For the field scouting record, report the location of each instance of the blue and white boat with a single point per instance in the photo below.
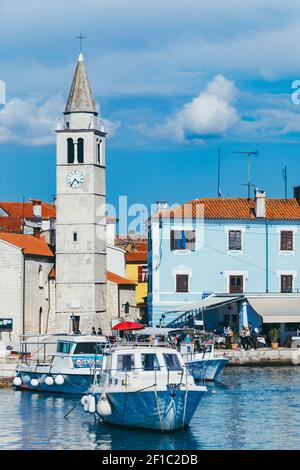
(203, 365)
(68, 370)
(144, 387)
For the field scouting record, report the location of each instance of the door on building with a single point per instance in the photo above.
(236, 284)
(75, 320)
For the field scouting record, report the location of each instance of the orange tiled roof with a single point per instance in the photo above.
(29, 244)
(118, 279)
(235, 208)
(136, 256)
(20, 209)
(11, 224)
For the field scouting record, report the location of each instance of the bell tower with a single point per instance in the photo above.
(80, 222)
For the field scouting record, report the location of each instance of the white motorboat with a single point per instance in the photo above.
(144, 386)
(70, 369)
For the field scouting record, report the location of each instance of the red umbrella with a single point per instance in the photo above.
(128, 325)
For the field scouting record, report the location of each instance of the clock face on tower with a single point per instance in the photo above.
(75, 179)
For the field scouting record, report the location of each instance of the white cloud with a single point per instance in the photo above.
(223, 111)
(33, 121)
(211, 113)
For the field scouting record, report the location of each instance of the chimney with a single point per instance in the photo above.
(37, 208)
(161, 206)
(297, 193)
(260, 204)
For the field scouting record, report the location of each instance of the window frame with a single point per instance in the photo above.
(285, 276)
(234, 248)
(181, 275)
(242, 285)
(182, 242)
(284, 243)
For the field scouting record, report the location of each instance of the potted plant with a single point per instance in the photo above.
(274, 335)
(234, 341)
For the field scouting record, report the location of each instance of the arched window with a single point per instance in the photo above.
(70, 150)
(98, 151)
(80, 151)
(41, 277)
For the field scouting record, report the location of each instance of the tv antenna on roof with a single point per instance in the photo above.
(249, 155)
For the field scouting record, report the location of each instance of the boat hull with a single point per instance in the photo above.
(73, 383)
(206, 369)
(165, 411)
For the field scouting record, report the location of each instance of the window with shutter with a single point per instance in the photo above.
(286, 240)
(182, 282)
(286, 283)
(234, 240)
(183, 239)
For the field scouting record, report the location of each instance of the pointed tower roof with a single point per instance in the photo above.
(80, 96)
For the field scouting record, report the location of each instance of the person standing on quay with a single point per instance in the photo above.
(253, 336)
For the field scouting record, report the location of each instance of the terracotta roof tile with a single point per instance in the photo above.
(112, 277)
(137, 256)
(234, 208)
(20, 209)
(29, 244)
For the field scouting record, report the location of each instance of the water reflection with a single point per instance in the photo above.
(250, 408)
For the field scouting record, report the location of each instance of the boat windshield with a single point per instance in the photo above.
(172, 362)
(89, 348)
(125, 362)
(64, 347)
(150, 362)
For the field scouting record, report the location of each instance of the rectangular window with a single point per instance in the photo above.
(125, 362)
(236, 284)
(234, 240)
(143, 273)
(286, 283)
(89, 348)
(75, 238)
(150, 362)
(286, 240)
(183, 240)
(64, 347)
(182, 282)
(172, 362)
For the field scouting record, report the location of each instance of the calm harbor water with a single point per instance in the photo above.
(253, 408)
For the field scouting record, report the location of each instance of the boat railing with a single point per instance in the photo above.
(105, 377)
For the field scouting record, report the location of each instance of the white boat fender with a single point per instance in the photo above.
(17, 381)
(92, 404)
(213, 392)
(103, 406)
(34, 382)
(49, 380)
(83, 399)
(86, 403)
(59, 379)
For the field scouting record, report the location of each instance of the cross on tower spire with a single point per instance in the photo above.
(81, 38)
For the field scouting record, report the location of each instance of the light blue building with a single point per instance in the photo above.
(244, 251)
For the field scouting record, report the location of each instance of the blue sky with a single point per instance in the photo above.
(173, 83)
